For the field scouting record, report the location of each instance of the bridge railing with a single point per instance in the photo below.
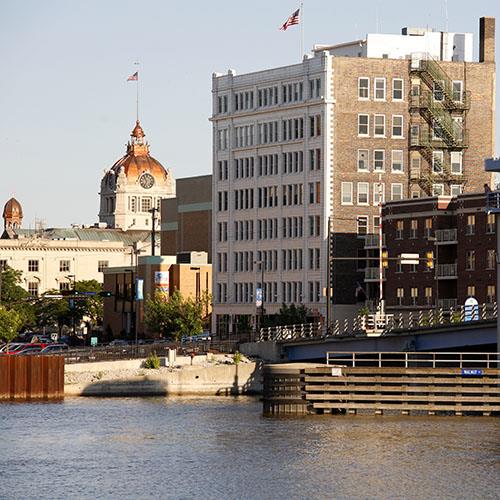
(390, 323)
(291, 332)
(464, 360)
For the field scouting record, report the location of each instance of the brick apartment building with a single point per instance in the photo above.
(298, 146)
(456, 234)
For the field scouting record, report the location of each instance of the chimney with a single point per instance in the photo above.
(487, 39)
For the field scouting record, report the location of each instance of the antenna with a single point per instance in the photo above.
(446, 15)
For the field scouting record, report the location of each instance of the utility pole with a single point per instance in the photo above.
(153, 231)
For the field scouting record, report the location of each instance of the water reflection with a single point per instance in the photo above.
(223, 448)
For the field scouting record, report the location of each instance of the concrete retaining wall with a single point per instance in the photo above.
(128, 379)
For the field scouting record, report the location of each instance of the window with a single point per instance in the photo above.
(471, 291)
(363, 125)
(415, 167)
(397, 161)
(363, 160)
(438, 90)
(428, 295)
(378, 193)
(101, 265)
(292, 92)
(363, 193)
(437, 189)
(400, 295)
(396, 192)
(490, 224)
(456, 162)
(490, 259)
(379, 89)
(33, 288)
(399, 229)
(470, 228)
(64, 266)
(491, 294)
(378, 160)
(414, 295)
(222, 104)
(437, 162)
(33, 266)
(362, 224)
(397, 126)
(315, 88)
(413, 228)
(455, 189)
(457, 86)
(315, 126)
(397, 89)
(470, 260)
(3, 264)
(64, 286)
(223, 139)
(314, 159)
(346, 193)
(133, 203)
(363, 88)
(379, 126)
(145, 204)
(428, 227)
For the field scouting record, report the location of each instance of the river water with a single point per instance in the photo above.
(223, 448)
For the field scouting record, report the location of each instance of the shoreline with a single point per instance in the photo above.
(205, 377)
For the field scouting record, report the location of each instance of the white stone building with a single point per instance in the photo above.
(289, 143)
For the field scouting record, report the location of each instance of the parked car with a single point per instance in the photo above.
(54, 348)
(118, 342)
(202, 337)
(31, 349)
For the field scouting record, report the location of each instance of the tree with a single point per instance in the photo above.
(173, 316)
(14, 297)
(10, 324)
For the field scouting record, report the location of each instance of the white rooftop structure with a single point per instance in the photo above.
(440, 45)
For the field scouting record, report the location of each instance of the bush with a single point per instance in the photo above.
(152, 362)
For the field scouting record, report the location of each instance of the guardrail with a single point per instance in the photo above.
(412, 359)
(112, 353)
(389, 323)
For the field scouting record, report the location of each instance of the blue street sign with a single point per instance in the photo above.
(87, 293)
(472, 372)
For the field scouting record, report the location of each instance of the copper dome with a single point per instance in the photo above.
(12, 209)
(137, 160)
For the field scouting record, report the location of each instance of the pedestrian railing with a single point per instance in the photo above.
(383, 324)
(466, 360)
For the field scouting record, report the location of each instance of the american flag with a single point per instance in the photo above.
(293, 19)
(134, 77)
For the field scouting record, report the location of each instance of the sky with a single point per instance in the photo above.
(67, 110)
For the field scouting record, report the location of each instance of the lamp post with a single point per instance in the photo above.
(261, 264)
(153, 230)
(433, 239)
(73, 277)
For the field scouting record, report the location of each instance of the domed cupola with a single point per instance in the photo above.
(133, 185)
(12, 214)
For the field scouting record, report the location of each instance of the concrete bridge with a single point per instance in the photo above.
(309, 342)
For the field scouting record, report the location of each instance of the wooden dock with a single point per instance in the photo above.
(31, 377)
(414, 387)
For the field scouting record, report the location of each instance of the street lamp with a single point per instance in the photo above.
(261, 263)
(73, 277)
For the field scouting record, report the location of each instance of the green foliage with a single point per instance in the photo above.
(292, 315)
(10, 323)
(174, 316)
(152, 361)
(237, 357)
(14, 297)
(364, 311)
(92, 306)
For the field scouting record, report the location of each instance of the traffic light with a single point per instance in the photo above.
(429, 260)
(105, 294)
(385, 258)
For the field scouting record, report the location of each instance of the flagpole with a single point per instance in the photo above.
(301, 30)
(137, 91)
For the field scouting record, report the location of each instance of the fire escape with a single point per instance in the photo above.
(438, 108)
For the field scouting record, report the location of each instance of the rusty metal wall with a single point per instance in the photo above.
(31, 377)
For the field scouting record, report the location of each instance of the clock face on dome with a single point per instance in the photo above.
(147, 181)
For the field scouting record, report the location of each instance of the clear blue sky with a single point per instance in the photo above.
(67, 111)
